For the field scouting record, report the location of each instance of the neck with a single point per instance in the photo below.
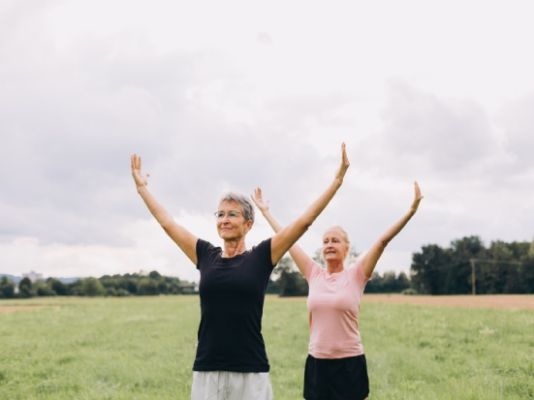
(234, 247)
(334, 266)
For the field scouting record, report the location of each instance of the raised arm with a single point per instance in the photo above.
(286, 237)
(372, 256)
(302, 260)
(181, 236)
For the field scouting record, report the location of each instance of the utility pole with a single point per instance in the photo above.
(473, 277)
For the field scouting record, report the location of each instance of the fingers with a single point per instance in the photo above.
(258, 200)
(417, 190)
(344, 163)
(259, 193)
(135, 161)
(417, 197)
(344, 157)
(254, 196)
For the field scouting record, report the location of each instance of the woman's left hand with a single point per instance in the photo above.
(417, 198)
(344, 164)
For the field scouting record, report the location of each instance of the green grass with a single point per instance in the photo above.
(143, 348)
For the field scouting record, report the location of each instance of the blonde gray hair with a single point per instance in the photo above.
(244, 203)
(344, 233)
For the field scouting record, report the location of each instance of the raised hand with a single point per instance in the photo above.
(257, 198)
(344, 163)
(417, 198)
(140, 179)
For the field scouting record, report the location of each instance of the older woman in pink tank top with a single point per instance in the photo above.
(336, 368)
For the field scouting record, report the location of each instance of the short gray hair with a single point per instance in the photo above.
(244, 202)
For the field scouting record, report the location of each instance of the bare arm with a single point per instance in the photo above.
(181, 236)
(372, 256)
(286, 237)
(299, 256)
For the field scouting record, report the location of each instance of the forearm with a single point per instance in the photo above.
(156, 209)
(396, 228)
(181, 236)
(287, 236)
(271, 220)
(313, 211)
(375, 252)
(299, 256)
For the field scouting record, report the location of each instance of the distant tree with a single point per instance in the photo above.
(91, 287)
(403, 282)
(504, 267)
(162, 287)
(154, 275)
(290, 280)
(57, 286)
(147, 286)
(40, 288)
(25, 288)
(458, 274)
(174, 287)
(492, 270)
(273, 287)
(389, 282)
(129, 283)
(527, 274)
(7, 288)
(429, 268)
(318, 257)
(352, 256)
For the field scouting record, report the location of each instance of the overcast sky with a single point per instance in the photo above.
(230, 95)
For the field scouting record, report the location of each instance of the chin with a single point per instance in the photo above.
(227, 236)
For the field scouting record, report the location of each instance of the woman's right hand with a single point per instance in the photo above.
(417, 198)
(257, 198)
(140, 179)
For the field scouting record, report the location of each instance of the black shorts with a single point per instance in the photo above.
(336, 379)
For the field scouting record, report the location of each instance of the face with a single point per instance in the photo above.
(231, 223)
(335, 246)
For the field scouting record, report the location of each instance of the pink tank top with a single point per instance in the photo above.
(333, 306)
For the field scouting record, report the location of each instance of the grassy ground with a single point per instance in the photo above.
(143, 348)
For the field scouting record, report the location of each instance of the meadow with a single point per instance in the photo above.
(143, 348)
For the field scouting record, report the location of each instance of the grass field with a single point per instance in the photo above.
(143, 348)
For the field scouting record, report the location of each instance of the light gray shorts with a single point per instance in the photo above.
(225, 385)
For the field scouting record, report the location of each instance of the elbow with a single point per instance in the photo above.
(296, 230)
(306, 225)
(165, 223)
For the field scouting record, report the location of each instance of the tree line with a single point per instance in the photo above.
(286, 281)
(467, 265)
(464, 267)
(108, 285)
(500, 268)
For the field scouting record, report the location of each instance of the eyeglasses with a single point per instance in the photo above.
(230, 214)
